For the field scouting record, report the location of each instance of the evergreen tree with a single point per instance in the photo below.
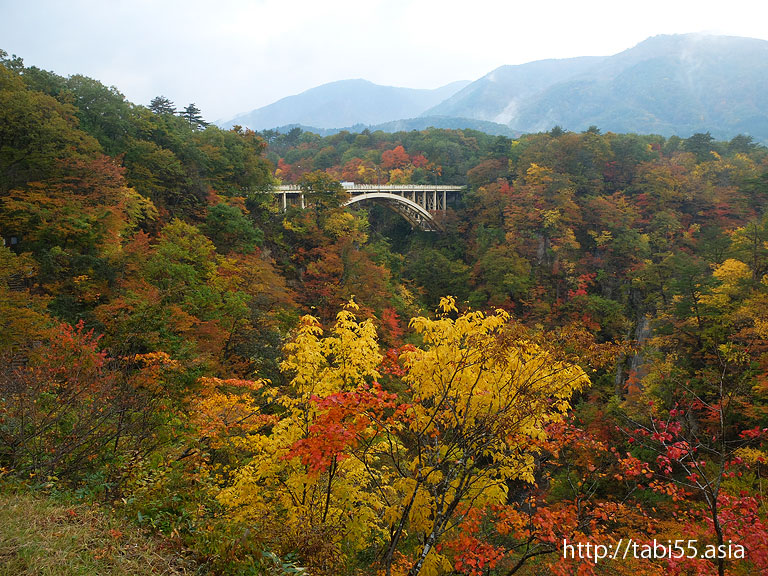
(192, 114)
(162, 105)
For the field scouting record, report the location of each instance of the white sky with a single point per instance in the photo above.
(231, 56)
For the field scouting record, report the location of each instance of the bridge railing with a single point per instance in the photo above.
(406, 198)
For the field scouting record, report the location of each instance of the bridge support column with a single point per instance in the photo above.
(285, 201)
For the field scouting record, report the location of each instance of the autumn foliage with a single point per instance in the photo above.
(291, 391)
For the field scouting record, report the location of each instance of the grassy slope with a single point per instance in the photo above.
(43, 538)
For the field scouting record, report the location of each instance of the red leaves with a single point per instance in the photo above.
(318, 451)
(744, 528)
(753, 433)
(391, 325)
(471, 555)
(583, 282)
(343, 419)
(72, 355)
(632, 467)
(396, 158)
(392, 363)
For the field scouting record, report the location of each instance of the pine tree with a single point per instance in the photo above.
(192, 114)
(162, 105)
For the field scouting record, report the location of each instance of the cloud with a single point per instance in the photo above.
(231, 56)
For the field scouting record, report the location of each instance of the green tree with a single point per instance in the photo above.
(158, 173)
(36, 132)
(162, 105)
(437, 274)
(322, 191)
(103, 112)
(232, 161)
(505, 275)
(700, 144)
(192, 115)
(230, 230)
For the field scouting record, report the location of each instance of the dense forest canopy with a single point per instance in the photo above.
(586, 358)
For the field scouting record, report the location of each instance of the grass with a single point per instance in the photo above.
(42, 537)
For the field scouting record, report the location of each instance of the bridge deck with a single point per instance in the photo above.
(362, 188)
(418, 203)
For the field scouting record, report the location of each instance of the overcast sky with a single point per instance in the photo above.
(231, 56)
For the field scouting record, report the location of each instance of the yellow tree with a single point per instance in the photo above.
(346, 469)
(306, 494)
(482, 395)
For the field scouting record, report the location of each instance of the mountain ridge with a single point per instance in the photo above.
(409, 124)
(666, 84)
(345, 103)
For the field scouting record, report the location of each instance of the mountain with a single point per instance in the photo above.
(446, 122)
(495, 96)
(667, 85)
(345, 103)
(679, 84)
(409, 124)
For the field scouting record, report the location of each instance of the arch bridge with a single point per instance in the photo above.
(421, 205)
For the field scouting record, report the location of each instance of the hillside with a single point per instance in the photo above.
(345, 103)
(41, 536)
(408, 124)
(667, 85)
(496, 96)
(579, 354)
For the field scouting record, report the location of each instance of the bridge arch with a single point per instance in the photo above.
(419, 204)
(408, 209)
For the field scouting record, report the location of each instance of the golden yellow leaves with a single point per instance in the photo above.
(479, 397)
(338, 502)
(538, 174)
(225, 411)
(344, 359)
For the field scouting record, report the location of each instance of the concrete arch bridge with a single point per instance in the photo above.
(421, 205)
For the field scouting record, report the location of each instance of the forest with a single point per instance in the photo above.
(579, 358)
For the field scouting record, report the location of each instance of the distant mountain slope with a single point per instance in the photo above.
(345, 103)
(409, 124)
(445, 122)
(667, 84)
(494, 96)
